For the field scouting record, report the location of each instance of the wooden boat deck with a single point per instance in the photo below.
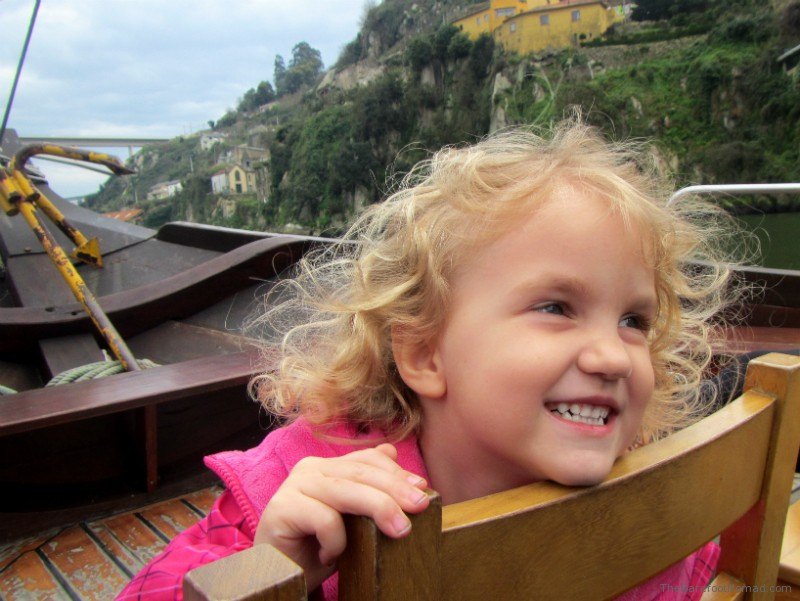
(94, 560)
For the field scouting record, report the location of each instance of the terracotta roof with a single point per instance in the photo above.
(125, 214)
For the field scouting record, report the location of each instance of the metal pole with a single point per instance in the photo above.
(19, 70)
(734, 189)
(79, 288)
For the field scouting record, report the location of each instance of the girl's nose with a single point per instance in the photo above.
(605, 355)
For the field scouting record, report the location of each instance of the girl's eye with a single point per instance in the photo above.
(636, 322)
(551, 308)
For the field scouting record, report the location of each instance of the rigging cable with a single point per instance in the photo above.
(19, 70)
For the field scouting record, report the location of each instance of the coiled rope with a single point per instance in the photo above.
(90, 371)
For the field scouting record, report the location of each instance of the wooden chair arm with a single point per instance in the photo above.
(373, 567)
(261, 573)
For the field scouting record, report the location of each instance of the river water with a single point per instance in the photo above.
(780, 238)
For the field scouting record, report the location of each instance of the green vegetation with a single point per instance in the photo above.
(304, 68)
(719, 105)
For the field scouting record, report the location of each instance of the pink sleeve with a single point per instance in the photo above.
(705, 563)
(221, 533)
(684, 581)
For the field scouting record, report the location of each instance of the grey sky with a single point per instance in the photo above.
(150, 68)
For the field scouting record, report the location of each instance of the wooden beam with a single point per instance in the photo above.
(45, 407)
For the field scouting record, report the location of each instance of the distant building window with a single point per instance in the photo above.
(478, 20)
(513, 27)
(505, 12)
(237, 176)
(486, 17)
(576, 15)
(544, 20)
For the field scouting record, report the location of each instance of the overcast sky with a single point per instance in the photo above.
(150, 68)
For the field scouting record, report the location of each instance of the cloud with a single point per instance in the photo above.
(154, 68)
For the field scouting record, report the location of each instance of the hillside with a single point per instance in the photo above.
(706, 85)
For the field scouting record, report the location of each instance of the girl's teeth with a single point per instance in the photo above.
(589, 414)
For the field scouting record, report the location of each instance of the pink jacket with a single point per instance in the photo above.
(253, 476)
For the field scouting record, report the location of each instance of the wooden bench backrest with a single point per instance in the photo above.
(731, 473)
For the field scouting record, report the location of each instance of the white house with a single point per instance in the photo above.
(211, 139)
(164, 190)
(220, 182)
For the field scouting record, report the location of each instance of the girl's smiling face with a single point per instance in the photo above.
(542, 369)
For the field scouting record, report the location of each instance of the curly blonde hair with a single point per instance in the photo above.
(393, 267)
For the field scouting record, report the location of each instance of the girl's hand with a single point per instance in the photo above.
(303, 519)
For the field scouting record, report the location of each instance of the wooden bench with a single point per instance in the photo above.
(729, 474)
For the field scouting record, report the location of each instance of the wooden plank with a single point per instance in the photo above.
(66, 352)
(37, 282)
(615, 520)
(744, 339)
(170, 518)
(261, 573)
(203, 499)
(35, 409)
(781, 287)
(141, 308)
(144, 264)
(772, 316)
(28, 578)
(211, 237)
(96, 559)
(174, 341)
(18, 376)
(134, 535)
(789, 570)
(16, 523)
(87, 569)
(233, 310)
(376, 567)
(9, 552)
(114, 547)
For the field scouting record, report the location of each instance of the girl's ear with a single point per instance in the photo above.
(419, 365)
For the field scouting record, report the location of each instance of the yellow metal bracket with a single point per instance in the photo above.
(19, 195)
(16, 187)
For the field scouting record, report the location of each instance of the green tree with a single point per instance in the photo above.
(656, 10)
(258, 96)
(651, 10)
(304, 68)
(419, 53)
(279, 75)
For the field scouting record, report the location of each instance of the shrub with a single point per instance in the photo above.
(419, 53)
(748, 29)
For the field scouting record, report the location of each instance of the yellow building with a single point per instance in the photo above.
(487, 16)
(234, 180)
(539, 24)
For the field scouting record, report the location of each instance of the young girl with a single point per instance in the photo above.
(522, 309)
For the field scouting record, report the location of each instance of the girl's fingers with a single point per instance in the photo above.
(291, 524)
(384, 504)
(405, 488)
(300, 516)
(309, 504)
